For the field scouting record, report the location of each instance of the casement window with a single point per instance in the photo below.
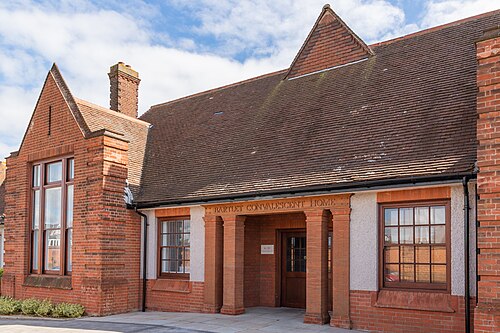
(415, 246)
(174, 248)
(52, 217)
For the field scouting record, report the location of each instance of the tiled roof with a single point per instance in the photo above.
(133, 130)
(408, 111)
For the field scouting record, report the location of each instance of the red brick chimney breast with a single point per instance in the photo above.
(124, 89)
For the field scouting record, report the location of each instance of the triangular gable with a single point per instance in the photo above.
(70, 100)
(55, 74)
(330, 44)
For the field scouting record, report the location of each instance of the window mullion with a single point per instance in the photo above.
(41, 233)
(62, 244)
(414, 247)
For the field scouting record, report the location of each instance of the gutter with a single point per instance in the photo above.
(313, 190)
(144, 257)
(465, 182)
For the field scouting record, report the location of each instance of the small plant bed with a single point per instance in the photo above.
(39, 308)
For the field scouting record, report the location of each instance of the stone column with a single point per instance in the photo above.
(213, 264)
(234, 245)
(340, 262)
(317, 266)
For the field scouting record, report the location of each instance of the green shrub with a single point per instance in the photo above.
(68, 310)
(9, 306)
(30, 306)
(1, 272)
(45, 308)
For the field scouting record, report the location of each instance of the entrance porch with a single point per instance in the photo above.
(276, 253)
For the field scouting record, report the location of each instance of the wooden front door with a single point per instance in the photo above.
(293, 270)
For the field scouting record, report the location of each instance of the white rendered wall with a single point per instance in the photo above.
(457, 240)
(197, 244)
(151, 247)
(364, 246)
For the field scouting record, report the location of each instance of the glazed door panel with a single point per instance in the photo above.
(293, 270)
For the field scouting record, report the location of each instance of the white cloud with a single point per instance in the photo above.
(278, 28)
(84, 44)
(443, 11)
(85, 40)
(16, 104)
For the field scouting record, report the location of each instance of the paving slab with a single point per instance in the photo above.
(255, 320)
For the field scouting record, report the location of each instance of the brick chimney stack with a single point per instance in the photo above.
(124, 89)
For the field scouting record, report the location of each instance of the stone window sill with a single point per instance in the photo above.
(47, 281)
(416, 300)
(177, 286)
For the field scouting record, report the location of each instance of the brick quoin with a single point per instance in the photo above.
(487, 312)
(106, 241)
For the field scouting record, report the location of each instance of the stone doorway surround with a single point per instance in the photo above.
(224, 254)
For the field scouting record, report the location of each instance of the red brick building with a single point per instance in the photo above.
(2, 210)
(360, 184)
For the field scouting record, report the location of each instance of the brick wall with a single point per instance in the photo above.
(488, 126)
(106, 241)
(366, 316)
(330, 44)
(174, 296)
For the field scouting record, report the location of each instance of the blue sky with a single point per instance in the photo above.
(178, 47)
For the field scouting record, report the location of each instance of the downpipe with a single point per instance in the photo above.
(465, 183)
